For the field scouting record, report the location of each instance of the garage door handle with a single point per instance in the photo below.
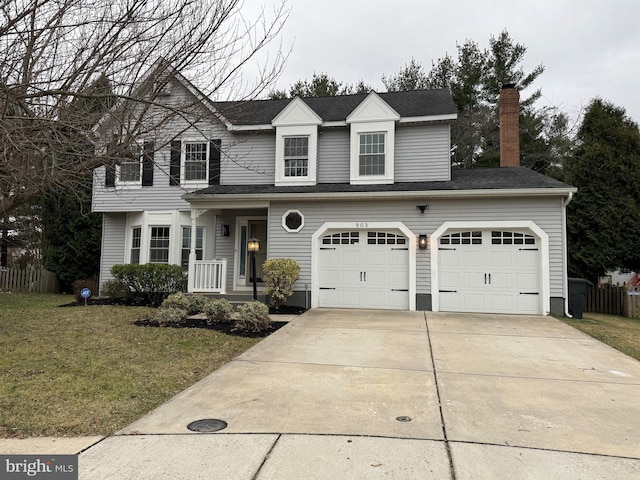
(485, 278)
(489, 279)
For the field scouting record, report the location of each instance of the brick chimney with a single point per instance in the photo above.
(509, 126)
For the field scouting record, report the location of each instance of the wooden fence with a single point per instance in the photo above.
(613, 300)
(31, 280)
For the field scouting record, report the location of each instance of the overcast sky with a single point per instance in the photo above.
(588, 47)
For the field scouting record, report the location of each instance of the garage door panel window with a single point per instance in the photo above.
(384, 238)
(342, 238)
(511, 238)
(462, 238)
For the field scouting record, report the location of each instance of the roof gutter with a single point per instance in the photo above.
(566, 202)
(488, 193)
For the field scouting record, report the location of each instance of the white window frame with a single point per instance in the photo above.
(387, 128)
(132, 183)
(304, 158)
(168, 248)
(184, 228)
(309, 131)
(199, 183)
(284, 221)
(132, 247)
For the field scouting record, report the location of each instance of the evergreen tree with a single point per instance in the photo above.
(71, 234)
(321, 85)
(603, 220)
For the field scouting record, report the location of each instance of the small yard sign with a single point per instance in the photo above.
(85, 293)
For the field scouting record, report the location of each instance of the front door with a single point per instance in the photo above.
(250, 228)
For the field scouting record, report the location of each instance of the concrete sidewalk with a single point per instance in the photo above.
(329, 396)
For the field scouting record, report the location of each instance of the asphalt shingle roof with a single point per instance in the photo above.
(417, 103)
(461, 180)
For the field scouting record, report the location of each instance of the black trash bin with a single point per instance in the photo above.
(578, 288)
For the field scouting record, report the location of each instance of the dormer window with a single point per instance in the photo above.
(372, 156)
(296, 144)
(296, 156)
(373, 128)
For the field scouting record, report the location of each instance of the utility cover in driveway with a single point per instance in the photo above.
(364, 269)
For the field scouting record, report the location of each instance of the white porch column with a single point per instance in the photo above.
(192, 251)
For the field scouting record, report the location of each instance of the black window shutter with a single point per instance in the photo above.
(214, 162)
(110, 176)
(174, 165)
(147, 164)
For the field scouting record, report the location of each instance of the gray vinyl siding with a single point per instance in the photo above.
(113, 244)
(545, 212)
(334, 156)
(249, 160)
(422, 153)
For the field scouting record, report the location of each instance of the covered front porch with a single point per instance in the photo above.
(224, 267)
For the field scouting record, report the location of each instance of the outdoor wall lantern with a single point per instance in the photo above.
(422, 208)
(253, 245)
(226, 230)
(422, 242)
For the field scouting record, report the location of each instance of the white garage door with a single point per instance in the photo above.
(490, 271)
(364, 269)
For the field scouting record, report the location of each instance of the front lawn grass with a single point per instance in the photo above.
(73, 371)
(620, 333)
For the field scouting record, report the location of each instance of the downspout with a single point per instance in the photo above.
(566, 202)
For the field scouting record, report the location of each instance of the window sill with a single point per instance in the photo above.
(297, 182)
(128, 186)
(200, 184)
(372, 181)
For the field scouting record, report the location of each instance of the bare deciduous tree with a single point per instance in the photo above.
(63, 63)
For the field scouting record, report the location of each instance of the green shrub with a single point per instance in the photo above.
(151, 283)
(196, 304)
(280, 275)
(218, 310)
(170, 316)
(115, 289)
(253, 317)
(193, 304)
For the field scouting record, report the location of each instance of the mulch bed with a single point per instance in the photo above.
(223, 327)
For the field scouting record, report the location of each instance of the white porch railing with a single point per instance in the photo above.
(209, 276)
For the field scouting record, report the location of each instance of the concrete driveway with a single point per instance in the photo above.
(345, 394)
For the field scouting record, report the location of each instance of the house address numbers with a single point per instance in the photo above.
(362, 225)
